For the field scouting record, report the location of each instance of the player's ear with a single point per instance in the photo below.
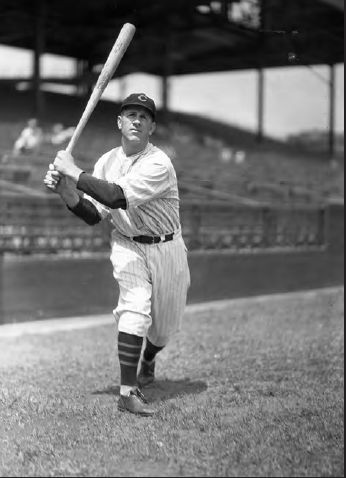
(153, 128)
(120, 122)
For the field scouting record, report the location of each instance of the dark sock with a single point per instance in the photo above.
(150, 351)
(129, 351)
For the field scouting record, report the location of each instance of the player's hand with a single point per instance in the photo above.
(57, 182)
(52, 179)
(64, 164)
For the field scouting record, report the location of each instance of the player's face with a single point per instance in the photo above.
(136, 124)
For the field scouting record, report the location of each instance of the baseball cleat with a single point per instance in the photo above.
(146, 374)
(135, 403)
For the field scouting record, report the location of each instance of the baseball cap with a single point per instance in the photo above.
(140, 99)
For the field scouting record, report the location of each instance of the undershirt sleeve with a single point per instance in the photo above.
(109, 194)
(87, 211)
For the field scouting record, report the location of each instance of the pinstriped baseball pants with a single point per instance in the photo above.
(153, 283)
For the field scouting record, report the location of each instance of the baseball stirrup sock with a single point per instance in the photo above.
(150, 351)
(129, 351)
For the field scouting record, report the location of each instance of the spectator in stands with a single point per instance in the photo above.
(29, 139)
(60, 134)
(226, 154)
(240, 157)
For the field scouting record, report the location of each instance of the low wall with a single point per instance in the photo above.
(34, 287)
(43, 224)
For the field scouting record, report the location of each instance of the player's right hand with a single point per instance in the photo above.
(52, 179)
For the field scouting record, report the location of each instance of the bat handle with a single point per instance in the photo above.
(74, 138)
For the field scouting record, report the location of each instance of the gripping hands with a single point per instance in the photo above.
(62, 172)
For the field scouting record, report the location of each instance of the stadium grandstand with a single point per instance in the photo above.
(238, 190)
(216, 163)
(212, 160)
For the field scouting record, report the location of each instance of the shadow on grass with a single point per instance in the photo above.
(162, 390)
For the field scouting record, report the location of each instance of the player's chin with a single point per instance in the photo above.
(135, 136)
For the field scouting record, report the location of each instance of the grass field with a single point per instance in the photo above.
(255, 389)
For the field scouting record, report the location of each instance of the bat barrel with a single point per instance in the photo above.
(114, 58)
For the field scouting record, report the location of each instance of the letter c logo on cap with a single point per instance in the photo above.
(142, 98)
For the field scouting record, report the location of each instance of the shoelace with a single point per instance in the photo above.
(141, 396)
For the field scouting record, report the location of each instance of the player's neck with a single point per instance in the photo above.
(130, 148)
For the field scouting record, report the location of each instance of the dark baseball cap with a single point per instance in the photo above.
(140, 99)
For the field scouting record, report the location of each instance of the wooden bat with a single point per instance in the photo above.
(119, 48)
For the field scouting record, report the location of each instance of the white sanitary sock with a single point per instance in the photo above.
(126, 390)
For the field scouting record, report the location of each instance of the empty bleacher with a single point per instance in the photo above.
(235, 194)
(216, 160)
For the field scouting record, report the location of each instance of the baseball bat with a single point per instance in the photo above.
(114, 58)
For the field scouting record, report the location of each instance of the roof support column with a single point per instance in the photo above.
(122, 88)
(80, 86)
(165, 97)
(224, 9)
(167, 72)
(260, 105)
(331, 131)
(2, 313)
(84, 76)
(39, 48)
(261, 77)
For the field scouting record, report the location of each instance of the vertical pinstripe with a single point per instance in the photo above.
(153, 201)
(153, 279)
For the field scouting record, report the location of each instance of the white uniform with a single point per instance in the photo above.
(153, 278)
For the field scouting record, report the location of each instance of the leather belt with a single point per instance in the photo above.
(153, 239)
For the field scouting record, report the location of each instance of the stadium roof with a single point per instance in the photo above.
(181, 36)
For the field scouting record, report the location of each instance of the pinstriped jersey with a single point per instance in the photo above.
(149, 182)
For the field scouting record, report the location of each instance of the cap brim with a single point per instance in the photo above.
(128, 105)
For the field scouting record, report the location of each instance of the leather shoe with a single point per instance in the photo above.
(146, 374)
(135, 403)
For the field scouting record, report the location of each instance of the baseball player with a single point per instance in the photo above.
(135, 187)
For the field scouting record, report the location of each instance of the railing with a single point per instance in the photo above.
(36, 224)
(244, 228)
(29, 225)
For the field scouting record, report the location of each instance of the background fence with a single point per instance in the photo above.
(251, 228)
(43, 224)
(294, 249)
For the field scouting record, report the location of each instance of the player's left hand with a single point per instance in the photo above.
(52, 178)
(64, 164)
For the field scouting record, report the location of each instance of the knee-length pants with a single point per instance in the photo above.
(153, 282)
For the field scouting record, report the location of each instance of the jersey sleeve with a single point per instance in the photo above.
(145, 183)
